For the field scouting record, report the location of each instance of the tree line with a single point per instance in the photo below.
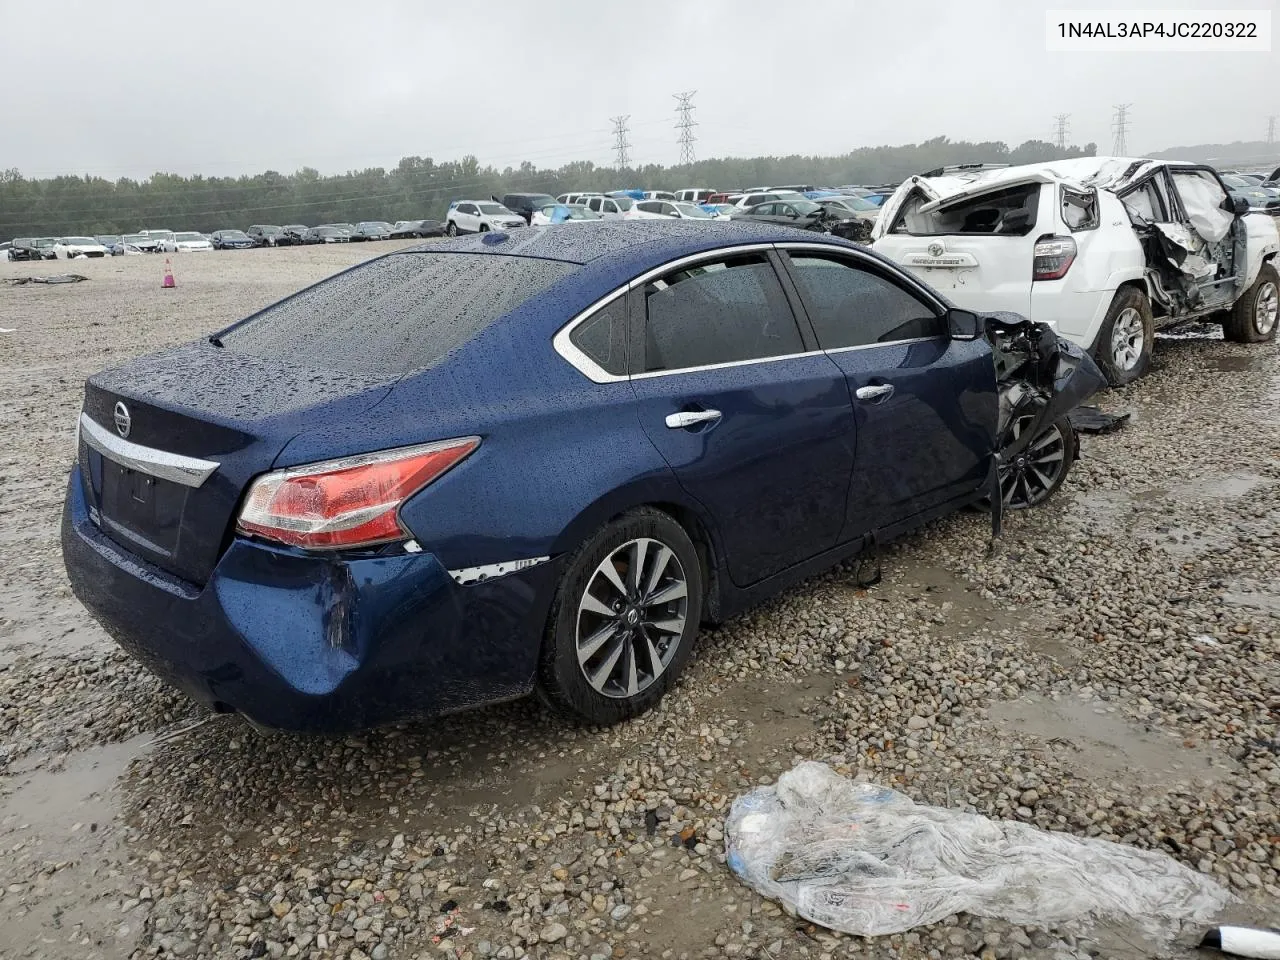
(420, 187)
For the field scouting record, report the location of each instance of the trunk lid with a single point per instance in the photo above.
(168, 443)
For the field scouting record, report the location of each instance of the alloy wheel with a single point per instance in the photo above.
(1029, 478)
(1127, 339)
(631, 617)
(1266, 308)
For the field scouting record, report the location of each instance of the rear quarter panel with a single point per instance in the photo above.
(1262, 243)
(1106, 257)
(559, 455)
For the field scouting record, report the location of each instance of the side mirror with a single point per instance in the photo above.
(963, 324)
(1239, 204)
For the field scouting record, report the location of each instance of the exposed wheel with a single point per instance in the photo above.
(1128, 333)
(451, 229)
(1031, 478)
(623, 621)
(1257, 313)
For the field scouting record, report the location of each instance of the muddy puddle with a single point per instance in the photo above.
(1096, 742)
(966, 612)
(62, 877)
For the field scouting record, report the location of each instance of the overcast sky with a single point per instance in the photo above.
(128, 87)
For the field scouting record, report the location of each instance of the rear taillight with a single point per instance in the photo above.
(1053, 258)
(354, 502)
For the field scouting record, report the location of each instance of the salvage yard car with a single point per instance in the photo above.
(187, 242)
(480, 216)
(1103, 249)
(807, 215)
(33, 248)
(68, 247)
(232, 240)
(463, 471)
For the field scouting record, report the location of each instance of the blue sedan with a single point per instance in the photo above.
(463, 472)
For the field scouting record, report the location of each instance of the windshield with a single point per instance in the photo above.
(1232, 180)
(693, 210)
(78, 241)
(624, 203)
(234, 235)
(134, 238)
(806, 207)
(189, 236)
(493, 208)
(855, 203)
(395, 314)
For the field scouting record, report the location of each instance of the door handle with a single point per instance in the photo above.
(878, 392)
(691, 418)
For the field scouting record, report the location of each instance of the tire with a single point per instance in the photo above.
(451, 229)
(626, 652)
(1035, 476)
(1257, 313)
(1123, 350)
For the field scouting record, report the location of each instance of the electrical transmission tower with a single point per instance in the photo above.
(685, 125)
(1120, 124)
(1060, 130)
(1271, 129)
(620, 142)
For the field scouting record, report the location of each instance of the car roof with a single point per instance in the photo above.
(634, 244)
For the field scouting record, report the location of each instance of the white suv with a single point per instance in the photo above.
(1104, 249)
(611, 208)
(479, 216)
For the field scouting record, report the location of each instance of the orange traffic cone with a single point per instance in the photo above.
(168, 276)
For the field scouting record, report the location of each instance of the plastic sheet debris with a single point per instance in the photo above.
(58, 278)
(867, 860)
(1244, 942)
(1094, 420)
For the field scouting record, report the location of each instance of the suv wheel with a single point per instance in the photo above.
(1256, 314)
(451, 229)
(1124, 343)
(623, 621)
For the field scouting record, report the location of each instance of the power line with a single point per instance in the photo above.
(1120, 124)
(1060, 130)
(685, 125)
(620, 142)
(1271, 129)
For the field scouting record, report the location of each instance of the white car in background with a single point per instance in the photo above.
(694, 195)
(159, 236)
(67, 248)
(579, 197)
(611, 208)
(669, 209)
(187, 242)
(659, 195)
(480, 216)
(1103, 249)
(555, 213)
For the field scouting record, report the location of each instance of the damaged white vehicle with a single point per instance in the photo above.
(1103, 249)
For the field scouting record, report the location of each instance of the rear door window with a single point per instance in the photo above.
(851, 306)
(720, 311)
(1010, 212)
(396, 314)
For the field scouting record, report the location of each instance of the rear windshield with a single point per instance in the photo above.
(396, 314)
(1010, 212)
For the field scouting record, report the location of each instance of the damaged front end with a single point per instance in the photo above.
(1040, 378)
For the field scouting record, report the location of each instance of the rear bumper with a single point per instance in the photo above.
(314, 643)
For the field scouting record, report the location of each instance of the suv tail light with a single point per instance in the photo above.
(1053, 258)
(353, 502)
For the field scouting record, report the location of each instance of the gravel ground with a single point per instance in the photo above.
(1109, 669)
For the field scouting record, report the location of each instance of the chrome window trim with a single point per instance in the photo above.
(575, 357)
(597, 374)
(187, 471)
(888, 343)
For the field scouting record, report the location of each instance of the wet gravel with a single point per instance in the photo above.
(1109, 669)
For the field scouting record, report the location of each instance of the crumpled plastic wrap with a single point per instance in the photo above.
(867, 860)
